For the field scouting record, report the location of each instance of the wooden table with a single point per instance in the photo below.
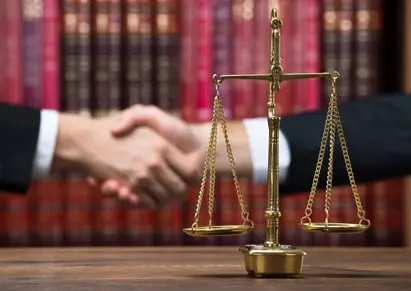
(196, 269)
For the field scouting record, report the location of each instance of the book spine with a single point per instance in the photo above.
(105, 216)
(329, 49)
(32, 41)
(188, 97)
(77, 225)
(286, 100)
(344, 208)
(114, 60)
(187, 58)
(3, 51)
(141, 223)
(131, 50)
(147, 21)
(83, 57)
(381, 203)
(407, 89)
(307, 91)
(3, 98)
(242, 62)
(261, 49)
(202, 53)
(203, 59)
(48, 203)
(222, 64)
(51, 55)
(166, 42)
(15, 208)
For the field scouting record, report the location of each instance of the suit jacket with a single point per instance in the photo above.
(19, 129)
(378, 136)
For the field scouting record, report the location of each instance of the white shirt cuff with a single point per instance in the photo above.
(46, 143)
(257, 132)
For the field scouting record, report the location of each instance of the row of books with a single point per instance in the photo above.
(98, 57)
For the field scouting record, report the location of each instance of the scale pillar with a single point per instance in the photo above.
(272, 258)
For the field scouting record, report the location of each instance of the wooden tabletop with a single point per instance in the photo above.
(196, 269)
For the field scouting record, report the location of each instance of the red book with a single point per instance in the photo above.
(74, 50)
(137, 65)
(16, 220)
(169, 217)
(222, 64)
(47, 200)
(188, 99)
(259, 194)
(243, 63)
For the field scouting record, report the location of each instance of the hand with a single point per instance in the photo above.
(190, 139)
(140, 160)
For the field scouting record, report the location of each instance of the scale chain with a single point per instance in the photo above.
(210, 164)
(206, 165)
(333, 120)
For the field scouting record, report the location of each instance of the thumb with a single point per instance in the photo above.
(126, 122)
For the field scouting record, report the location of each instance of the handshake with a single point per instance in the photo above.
(144, 156)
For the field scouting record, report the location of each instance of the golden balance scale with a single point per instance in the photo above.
(271, 258)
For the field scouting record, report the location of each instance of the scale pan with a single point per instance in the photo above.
(334, 227)
(217, 230)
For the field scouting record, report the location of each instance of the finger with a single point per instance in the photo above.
(157, 192)
(111, 187)
(168, 126)
(127, 121)
(127, 196)
(91, 181)
(146, 201)
(124, 193)
(173, 184)
(132, 198)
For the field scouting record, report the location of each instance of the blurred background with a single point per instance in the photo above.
(96, 57)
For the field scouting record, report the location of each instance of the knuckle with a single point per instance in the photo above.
(160, 146)
(191, 171)
(140, 177)
(152, 109)
(181, 189)
(154, 164)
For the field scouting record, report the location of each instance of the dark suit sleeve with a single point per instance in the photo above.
(19, 129)
(378, 135)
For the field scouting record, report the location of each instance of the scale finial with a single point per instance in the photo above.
(274, 12)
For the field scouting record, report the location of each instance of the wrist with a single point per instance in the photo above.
(69, 151)
(238, 139)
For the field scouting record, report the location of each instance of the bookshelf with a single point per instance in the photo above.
(97, 57)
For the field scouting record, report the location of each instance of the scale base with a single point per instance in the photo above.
(284, 261)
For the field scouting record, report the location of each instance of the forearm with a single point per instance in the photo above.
(378, 135)
(239, 145)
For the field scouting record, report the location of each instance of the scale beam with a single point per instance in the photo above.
(270, 77)
(262, 77)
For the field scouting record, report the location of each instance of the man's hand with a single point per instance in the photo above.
(192, 140)
(141, 160)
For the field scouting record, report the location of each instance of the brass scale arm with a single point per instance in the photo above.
(270, 77)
